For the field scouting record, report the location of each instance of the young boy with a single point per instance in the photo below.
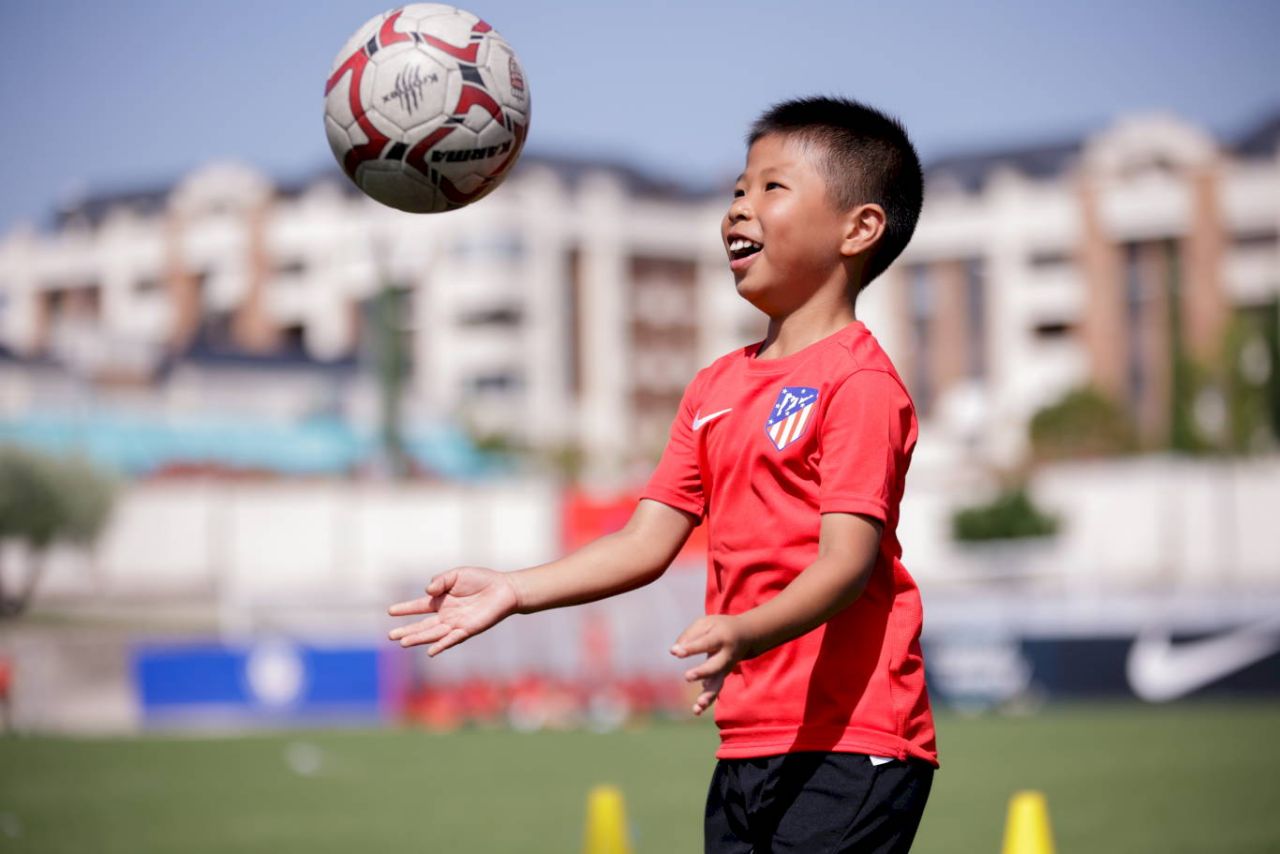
(794, 450)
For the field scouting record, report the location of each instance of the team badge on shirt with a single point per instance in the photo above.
(790, 415)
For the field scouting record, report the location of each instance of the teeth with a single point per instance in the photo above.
(742, 245)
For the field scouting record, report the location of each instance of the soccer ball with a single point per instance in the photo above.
(426, 108)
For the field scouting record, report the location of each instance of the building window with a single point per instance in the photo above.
(975, 300)
(1049, 260)
(291, 267)
(663, 292)
(1259, 240)
(659, 303)
(293, 340)
(79, 301)
(573, 296)
(1134, 310)
(658, 369)
(215, 332)
(1054, 330)
(503, 316)
(920, 310)
(488, 246)
(496, 381)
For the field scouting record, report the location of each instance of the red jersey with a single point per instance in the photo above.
(762, 448)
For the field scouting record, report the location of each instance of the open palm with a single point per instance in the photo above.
(460, 603)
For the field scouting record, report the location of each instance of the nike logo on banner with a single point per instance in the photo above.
(698, 420)
(1160, 670)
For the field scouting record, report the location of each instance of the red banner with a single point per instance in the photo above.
(587, 517)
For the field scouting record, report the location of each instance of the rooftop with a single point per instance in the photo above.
(969, 170)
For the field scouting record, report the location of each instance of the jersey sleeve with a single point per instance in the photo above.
(868, 432)
(677, 481)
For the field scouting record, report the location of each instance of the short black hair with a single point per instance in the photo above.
(865, 156)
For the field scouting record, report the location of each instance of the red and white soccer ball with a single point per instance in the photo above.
(426, 108)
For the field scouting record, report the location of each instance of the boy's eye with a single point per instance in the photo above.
(737, 194)
(771, 185)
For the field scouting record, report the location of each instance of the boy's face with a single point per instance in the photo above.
(781, 205)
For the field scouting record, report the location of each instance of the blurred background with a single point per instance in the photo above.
(244, 408)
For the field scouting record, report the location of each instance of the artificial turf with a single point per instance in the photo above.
(1122, 778)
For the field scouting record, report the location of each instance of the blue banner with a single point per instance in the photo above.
(269, 683)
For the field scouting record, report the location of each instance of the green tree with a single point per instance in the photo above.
(1010, 515)
(1084, 423)
(1252, 381)
(44, 500)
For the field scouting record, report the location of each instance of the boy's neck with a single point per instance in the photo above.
(808, 324)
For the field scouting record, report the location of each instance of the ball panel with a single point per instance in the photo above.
(449, 24)
(506, 78)
(368, 81)
(358, 40)
(482, 47)
(339, 142)
(409, 89)
(386, 182)
(337, 102)
(420, 13)
(384, 125)
(356, 134)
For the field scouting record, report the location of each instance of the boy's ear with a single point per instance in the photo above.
(863, 228)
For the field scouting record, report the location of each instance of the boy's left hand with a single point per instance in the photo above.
(721, 637)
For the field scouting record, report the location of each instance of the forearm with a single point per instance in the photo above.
(825, 588)
(612, 564)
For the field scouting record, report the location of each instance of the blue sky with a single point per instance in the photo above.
(107, 96)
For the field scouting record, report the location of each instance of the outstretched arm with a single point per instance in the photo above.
(465, 601)
(847, 551)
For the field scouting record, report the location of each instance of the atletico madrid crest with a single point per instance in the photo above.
(790, 415)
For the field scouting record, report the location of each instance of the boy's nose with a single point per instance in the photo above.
(738, 211)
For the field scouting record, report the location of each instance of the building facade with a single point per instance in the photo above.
(1102, 262)
(569, 310)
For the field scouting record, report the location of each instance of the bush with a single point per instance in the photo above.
(1084, 423)
(1011, 515)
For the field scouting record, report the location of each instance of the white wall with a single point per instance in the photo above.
(1152, 523)
(318, 542)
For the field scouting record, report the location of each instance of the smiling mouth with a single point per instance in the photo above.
(740, 248)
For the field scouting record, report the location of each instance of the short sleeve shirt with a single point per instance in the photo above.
(760, 449)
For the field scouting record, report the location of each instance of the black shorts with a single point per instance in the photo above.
(815, 802)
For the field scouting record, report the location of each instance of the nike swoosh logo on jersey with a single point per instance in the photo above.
(698, 420)
(1159, 670)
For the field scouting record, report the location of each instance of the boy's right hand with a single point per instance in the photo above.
(462, 602)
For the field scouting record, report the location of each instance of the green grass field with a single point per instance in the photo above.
(1122, 778)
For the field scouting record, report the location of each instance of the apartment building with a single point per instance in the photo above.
(570, 308)
(1089, 262)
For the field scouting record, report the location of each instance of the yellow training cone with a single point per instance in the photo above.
(1026, 831)
(606, 822)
